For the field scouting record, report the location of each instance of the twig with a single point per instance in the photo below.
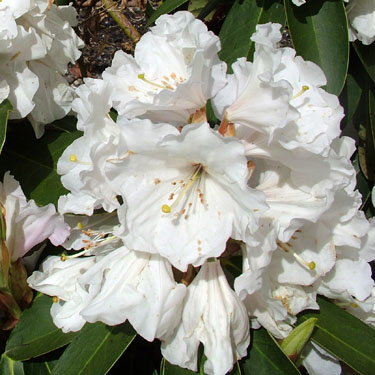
(121, 20)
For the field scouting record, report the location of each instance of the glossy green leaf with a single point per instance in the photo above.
(10, 367)
(67, 124)
(367, 57)
(207, 11)
(5, 108)
(240, 24)
(35, 333)
(363, 186)
(319, 33)
(167, 7)
(265, 357)
(349, 99)
(364, 123)
(343, 335)
(95, 349)
(167, 368)
(33, 161)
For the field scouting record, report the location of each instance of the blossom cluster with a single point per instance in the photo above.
(161, 202)
(361, 19)
(37, 41)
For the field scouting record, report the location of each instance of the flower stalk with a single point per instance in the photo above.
(121, 20)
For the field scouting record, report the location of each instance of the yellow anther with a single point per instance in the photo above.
(63, 257)
(73, 158)
(305, 88)
(312, 265)
(353, 304)
(80, 226)
(55, 299)
(166, 209)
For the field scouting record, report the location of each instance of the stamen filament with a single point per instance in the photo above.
(143, 78)
(288, 249)
(166, 208)
(303, 90)
(73, 158)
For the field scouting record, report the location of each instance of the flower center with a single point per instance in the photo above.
(167, 82)
(96, 239)
(287, 247)
(183, 189)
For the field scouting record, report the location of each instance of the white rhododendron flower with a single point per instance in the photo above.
(361, 17)
(37, 42)
(273, 184)
(27, 224)
(174, 71)
(78, 164)
(192, 194)
(214, 316)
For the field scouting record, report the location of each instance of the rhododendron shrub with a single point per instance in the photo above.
(208, 202)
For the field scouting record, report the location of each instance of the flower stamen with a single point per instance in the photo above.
(73, 158)
(196, 175)
(166, 86)
(288, 249)
(303, 90)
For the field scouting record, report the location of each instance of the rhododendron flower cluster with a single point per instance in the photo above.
(272, 183)
(37, 41)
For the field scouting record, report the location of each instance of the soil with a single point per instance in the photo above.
(103, 36)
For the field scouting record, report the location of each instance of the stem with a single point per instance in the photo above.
(121, 20)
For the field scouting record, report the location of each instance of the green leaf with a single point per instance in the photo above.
(5, 108)
(349, 99)
(10, 367)
(365, 123)
(67, 124)
(266, 357)
(240, 24)
(319, 33)
(95, 349)
(33, 161)
(367, 57)
(363, 186)
(167, 368)
(165, 8)
(343, 335)
(35, 333)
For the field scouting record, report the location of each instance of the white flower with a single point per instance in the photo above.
(59, 279)
(113, 287)
(37, 41)
(53, 99)
(213, 315)
(319, 362)
(82, 162)
(174, 71)
(361, 17)
(27, 224)
(253, 99)
(191, 192)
